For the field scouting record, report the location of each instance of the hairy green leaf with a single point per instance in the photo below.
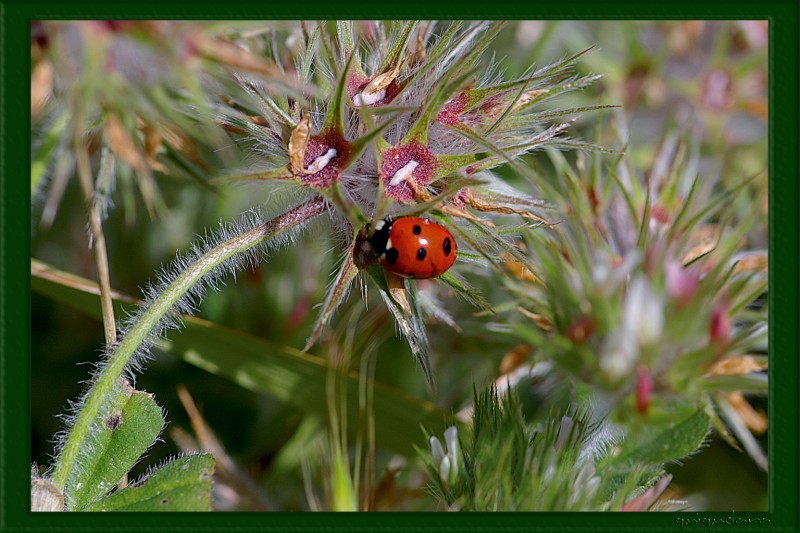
(126, 426)
(183, 484)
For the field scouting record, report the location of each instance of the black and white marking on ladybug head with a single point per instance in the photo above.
(379, 239)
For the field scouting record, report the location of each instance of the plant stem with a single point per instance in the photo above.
(98, 243)
(121, 356)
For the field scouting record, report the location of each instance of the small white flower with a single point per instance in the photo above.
(437, 452)
(643, 312)
(451, 438)
(618, 354)
(447, 463)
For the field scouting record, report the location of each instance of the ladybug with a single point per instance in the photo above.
(413, 247)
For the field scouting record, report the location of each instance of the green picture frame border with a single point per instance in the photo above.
(15, 373)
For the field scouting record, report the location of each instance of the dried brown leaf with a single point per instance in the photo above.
(397, 290)
(152, 140)
(123, 145)
(45, 496)
(538, 319)
(418, 55)
(755, 420)
(517, 269)
(514, 358)
(491, 207)
(297, 144)
(41, 86)
(703, 240)
(381, 81)
(182, 143)
(528, 96)
(752, 263)
(232, 55)
(460, 212)
(735, 366)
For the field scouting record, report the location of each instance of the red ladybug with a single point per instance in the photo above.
(413, 247)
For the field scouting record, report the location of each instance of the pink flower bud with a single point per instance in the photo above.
(720, 326)
(681, 282)
(644, 387)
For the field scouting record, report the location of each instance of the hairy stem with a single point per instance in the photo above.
(121, 356)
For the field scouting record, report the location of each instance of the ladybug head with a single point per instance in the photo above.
(378, 235)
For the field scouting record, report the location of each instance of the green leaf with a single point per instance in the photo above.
(44, 153)
(336, 293)
(282, 372)
(282, 173)
(334, 116)
(438, 94)
(679, 441)
(395, 53)
(344, 32)
(183, 484)
(126, 426)
(464, 290)
(444, 46)
(411, 327)
(748, 383)
(308, 56)
(357, 146)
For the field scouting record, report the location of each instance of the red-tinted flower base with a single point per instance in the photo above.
(449, 115)
(317, 147)
(396, 158)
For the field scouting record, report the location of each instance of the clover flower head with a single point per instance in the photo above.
(402, 118)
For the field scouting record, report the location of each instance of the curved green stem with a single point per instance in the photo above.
(121, 356)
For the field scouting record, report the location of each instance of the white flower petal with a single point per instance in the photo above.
(444, 470)
(436, 451)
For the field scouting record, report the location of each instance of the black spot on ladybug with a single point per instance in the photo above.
(391, 255)
(417, 230)
(421, 254)
(113, 421)
(447, 246)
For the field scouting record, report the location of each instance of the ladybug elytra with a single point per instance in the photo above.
(413, 247)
